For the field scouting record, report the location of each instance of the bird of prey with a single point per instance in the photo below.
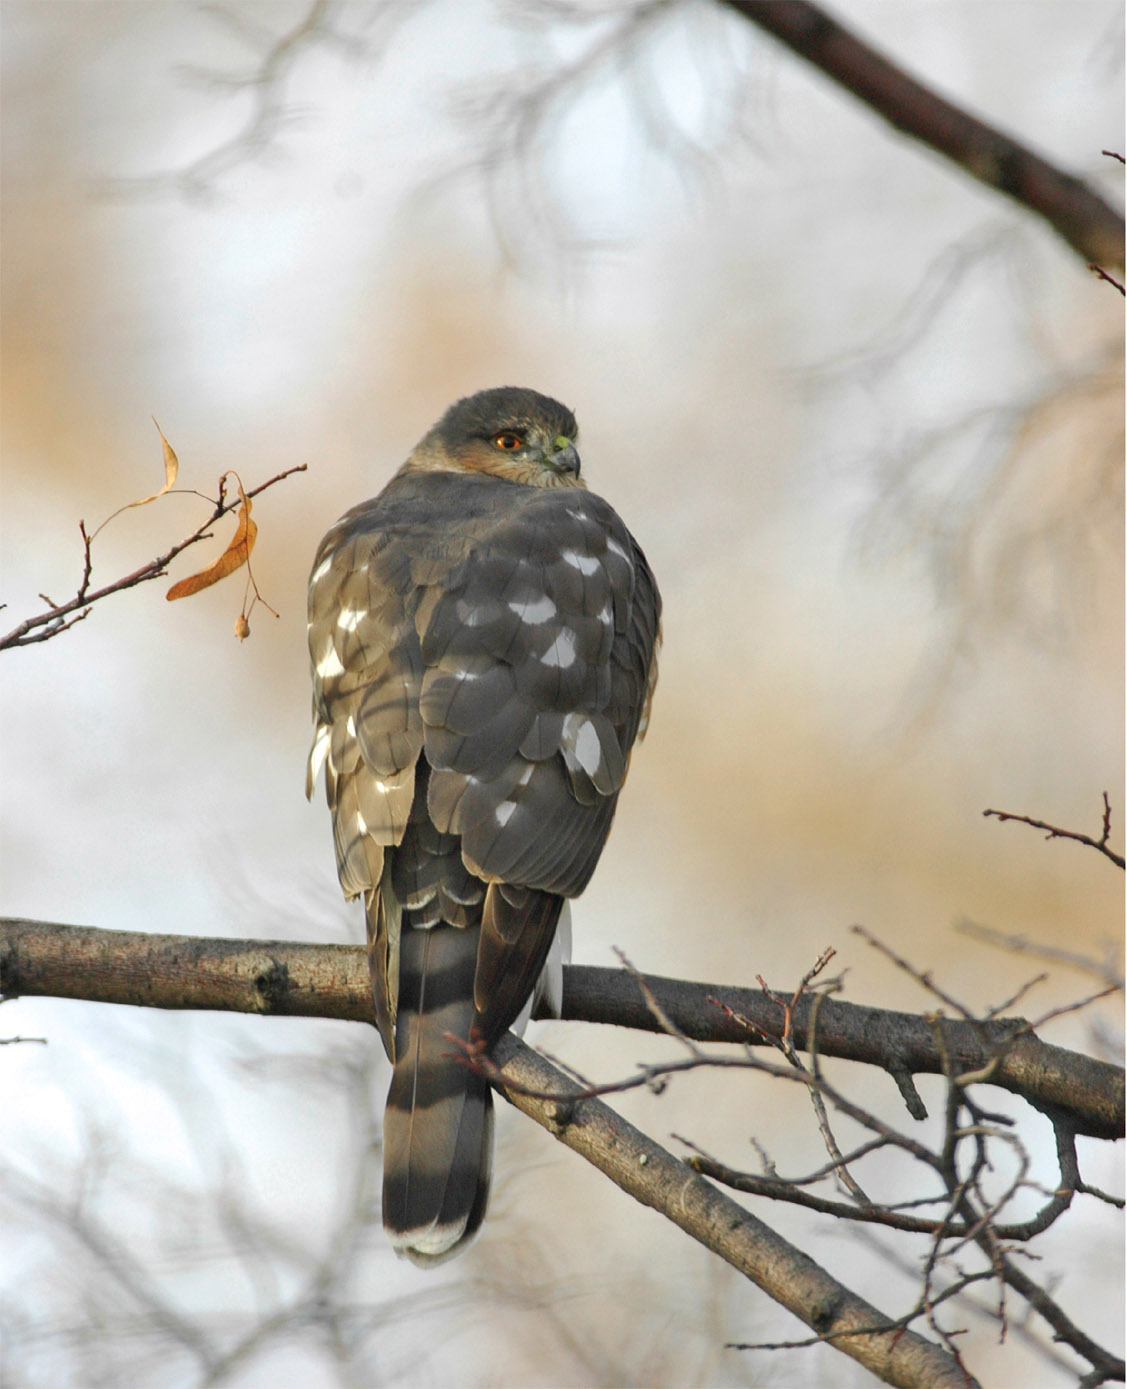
(484, 638)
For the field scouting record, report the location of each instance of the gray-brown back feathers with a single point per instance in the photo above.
(483, 655)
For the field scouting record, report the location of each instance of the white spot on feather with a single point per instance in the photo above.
(535, 613)
(616, 549)
(321, 570)
(329, 666)
(350, 618)
(606, 614)
(474, 614)
(504, 812)
(588, 749)
(561, 653)
(320, 750)
(586, 564)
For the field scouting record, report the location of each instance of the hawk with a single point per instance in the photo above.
(484, 640)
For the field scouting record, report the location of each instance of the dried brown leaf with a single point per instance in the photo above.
(171, 468)
(233, 557)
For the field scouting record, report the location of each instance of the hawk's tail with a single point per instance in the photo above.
(438, 1125)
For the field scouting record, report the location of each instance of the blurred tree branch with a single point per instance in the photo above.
(283, 978)
(142, 1314)
(1109, 969)
(1102, 274)
(1078, 1094)
(1075, 212)
(264, 82)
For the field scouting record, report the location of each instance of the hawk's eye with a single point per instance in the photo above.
(508, 441)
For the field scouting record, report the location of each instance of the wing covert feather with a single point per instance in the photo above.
(506, 636)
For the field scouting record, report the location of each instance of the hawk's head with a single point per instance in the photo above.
(508, 432)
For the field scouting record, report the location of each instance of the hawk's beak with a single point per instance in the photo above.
(566, 460)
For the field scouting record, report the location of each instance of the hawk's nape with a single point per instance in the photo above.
(484, 638)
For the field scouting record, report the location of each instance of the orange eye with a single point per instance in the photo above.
(508, 441)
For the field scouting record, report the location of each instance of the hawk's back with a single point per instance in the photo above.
(483, 651)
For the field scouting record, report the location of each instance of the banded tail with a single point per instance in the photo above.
(438, 1125)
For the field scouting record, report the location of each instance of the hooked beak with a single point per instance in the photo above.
(565, 460)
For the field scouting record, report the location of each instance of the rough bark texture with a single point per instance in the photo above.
(656, 1178)
(294, 979)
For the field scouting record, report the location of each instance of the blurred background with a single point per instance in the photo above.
(864, 416)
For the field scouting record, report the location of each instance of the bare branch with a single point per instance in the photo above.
(784, 1189)
(1017, 944)
(277, 977)
(1055, 832)
(653, 1005)
(1075, 212)
(1116, 1201)
(652, 1175)
(284, 978)
(1105, 1366)
(50, 623)
(1102, 274)
(785, 1044)
(265, 83)
(922, 977)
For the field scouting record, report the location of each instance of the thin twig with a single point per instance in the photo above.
(1102, 274)
(920, 976)
(1018, 944)
(49, 624)
(655, 1007)
(1055, 832)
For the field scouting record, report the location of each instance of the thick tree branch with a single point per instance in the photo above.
(653, 1176)
(1042, 1074)
(1075, 212)
(297, 979)
(280, 978)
